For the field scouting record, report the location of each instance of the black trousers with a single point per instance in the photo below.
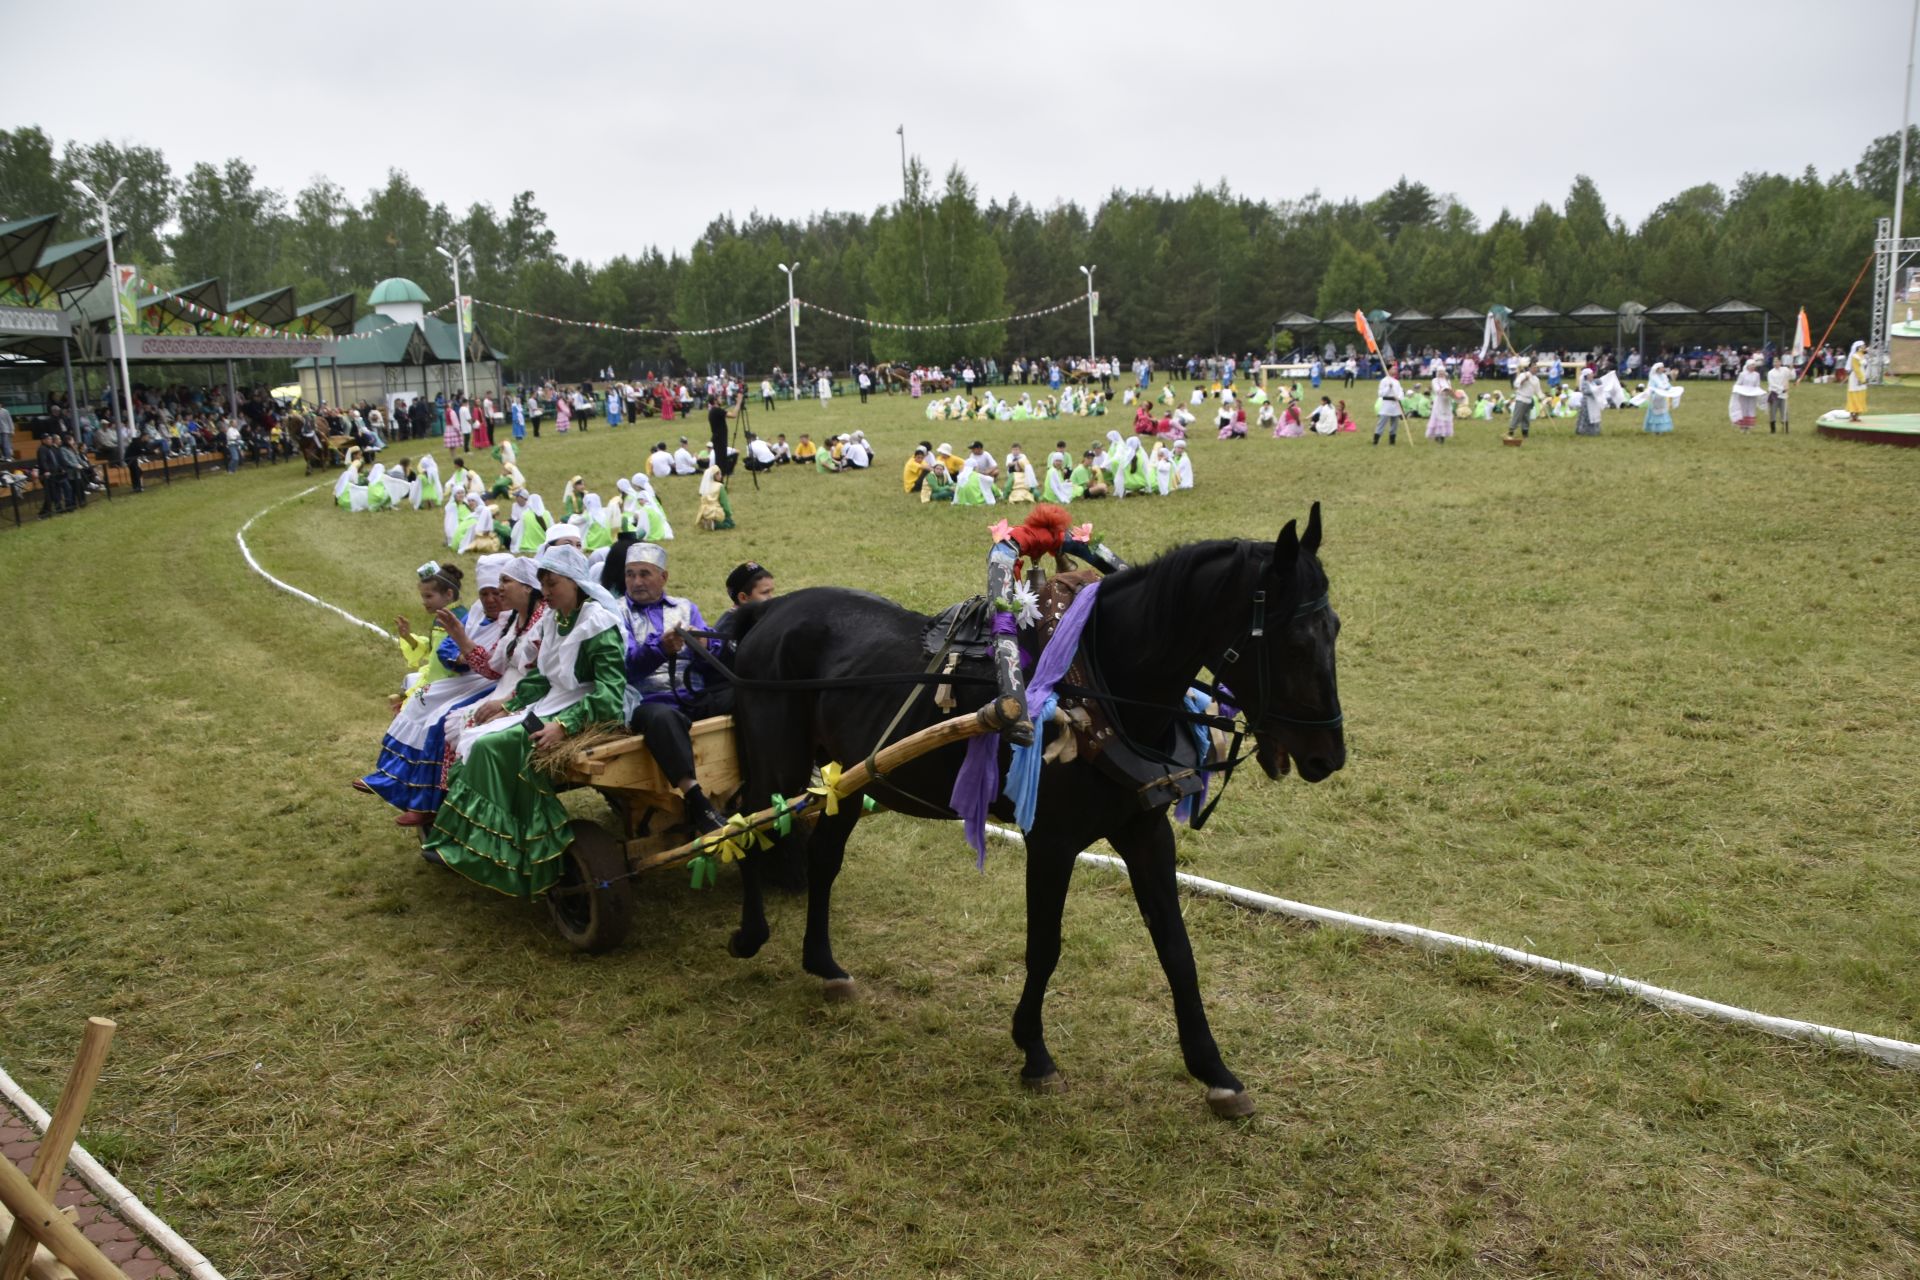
(667, 728)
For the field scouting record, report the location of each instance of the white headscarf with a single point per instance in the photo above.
(522, 570)
(568, 561)
(492, 567)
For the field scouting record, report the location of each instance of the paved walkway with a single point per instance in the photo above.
(127, 1249)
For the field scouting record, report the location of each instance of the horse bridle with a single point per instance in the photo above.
(1255, 632)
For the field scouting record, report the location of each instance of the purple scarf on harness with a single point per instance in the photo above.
(977, 781)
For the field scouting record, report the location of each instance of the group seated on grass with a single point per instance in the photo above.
(1109, 468)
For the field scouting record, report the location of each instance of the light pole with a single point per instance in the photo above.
(459, 315)
(1092, 354)
(113, 278)
(1899, 196)
(793, 333)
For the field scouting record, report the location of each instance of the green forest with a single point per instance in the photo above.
(1200, 271)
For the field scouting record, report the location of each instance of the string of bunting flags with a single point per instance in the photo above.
(943, 324)
(253, 328)
(621, 328)
(762, 319)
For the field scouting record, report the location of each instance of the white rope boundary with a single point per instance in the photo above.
(1899, 1053)
(240, 536)
(112, 1192)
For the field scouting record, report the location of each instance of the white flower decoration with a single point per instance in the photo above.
(1026, 604)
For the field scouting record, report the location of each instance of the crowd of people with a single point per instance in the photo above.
(1108, 468)
(76, 443)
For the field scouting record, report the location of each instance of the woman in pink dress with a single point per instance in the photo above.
(1290, 427)
(913, 384)
(451, 436)
(562, 412)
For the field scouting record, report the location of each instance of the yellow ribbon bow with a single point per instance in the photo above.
(740, 834)
(829, 787)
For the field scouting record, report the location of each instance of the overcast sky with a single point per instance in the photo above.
(636, 124)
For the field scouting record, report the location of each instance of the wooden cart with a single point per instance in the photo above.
(592, 901)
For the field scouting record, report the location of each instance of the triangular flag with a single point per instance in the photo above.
(1366, 331)
(1801, 338)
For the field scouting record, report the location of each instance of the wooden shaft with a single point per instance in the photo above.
(35, 1214)
(988, 719)
(43, 1266)
(50, 1162)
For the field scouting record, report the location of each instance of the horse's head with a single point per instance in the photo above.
(1281, 673)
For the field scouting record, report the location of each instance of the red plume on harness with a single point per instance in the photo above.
(1041, 534)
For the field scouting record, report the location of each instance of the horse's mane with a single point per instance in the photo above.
(1165, 580)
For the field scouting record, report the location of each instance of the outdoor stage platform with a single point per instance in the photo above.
(1873, 428)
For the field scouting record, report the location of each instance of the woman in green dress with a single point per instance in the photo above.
(501, 823)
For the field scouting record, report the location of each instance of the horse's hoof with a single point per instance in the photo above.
(1050, 1083)
(838, 990)
(1230, 1104)
(741, 947)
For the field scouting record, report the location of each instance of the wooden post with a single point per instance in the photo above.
(35, 1214)
(50, 1163)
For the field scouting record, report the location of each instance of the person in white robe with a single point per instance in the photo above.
(1743, 405)
(530, 530)
(450, 514)
(479, 527)
(1182, 466)
(426, 490)
(399, 488)
(1160, 468)
(1059, 481)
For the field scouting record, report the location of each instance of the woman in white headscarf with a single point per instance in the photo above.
(501, 823)
(595, 534)
(450, 515)
(1059, 480)
(1160, 469)
(1743, 404)
(530, 530)
(1856, 381)
(1661, 397)
(476, 523)
(1440, 417)
(1182, 466)
(400, 487)
(1591, 398)
(507, 661)
(651, 522)
(457, 672)
(426, 490)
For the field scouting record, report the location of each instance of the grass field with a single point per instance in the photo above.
(1644, 704)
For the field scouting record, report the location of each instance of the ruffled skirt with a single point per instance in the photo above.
(501, 823)
(412, 754)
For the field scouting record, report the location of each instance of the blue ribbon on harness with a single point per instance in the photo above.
(1023, 773)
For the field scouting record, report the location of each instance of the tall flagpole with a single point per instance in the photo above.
(1900, 192)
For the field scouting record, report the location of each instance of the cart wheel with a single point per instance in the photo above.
(592, 918)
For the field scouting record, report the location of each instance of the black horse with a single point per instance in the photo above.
(1255, 615)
